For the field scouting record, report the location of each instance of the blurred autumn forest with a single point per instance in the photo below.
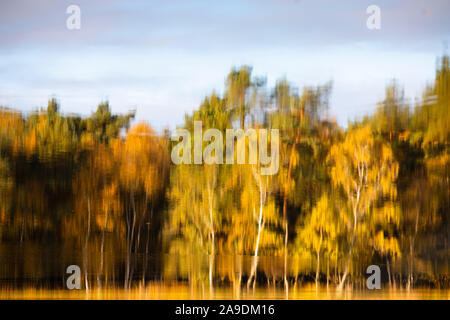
(104, 194)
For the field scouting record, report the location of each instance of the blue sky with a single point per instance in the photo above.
(162, 57)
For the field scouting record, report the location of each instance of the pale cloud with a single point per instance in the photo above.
(162, 57)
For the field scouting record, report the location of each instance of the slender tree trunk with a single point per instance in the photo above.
(22, 231)
(411, 253)
(211, 268)
(102, 251)
(260, 227)
(394, 283)
(212, 234)
(238, 278)
(286, 284)
(211, 257)
(146, 251)
(318, 258)
(350, 254)
(389, 271)
(260, 220)
(317, 268)
(255, 257)
(130, 245)
(86, 244)
(328, 270)
(410, 267)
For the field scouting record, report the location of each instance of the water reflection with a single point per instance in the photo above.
(34, 270)
(103, 194)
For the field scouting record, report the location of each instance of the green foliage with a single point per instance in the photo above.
(103, 125)
(392, 115)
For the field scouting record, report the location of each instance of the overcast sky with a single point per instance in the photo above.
(162, 57)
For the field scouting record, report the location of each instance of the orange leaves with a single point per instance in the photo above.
(143, 157)
(11, 129)
(387, 245)
(127, 169)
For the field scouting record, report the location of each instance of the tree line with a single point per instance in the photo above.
(376, 192)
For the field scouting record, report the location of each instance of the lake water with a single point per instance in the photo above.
(36, 271)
